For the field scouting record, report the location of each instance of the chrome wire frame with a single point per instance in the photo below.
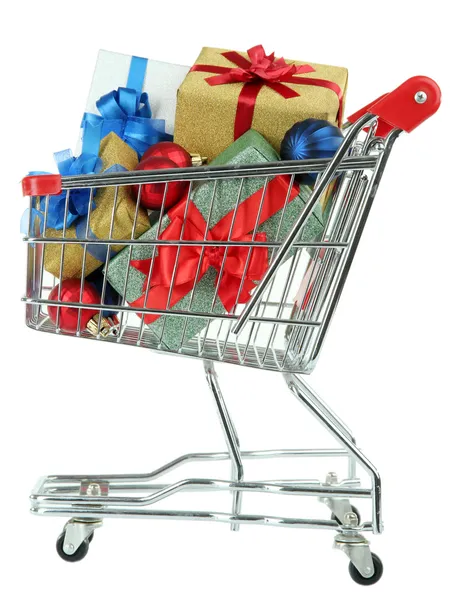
(282, 328)
(95, 497)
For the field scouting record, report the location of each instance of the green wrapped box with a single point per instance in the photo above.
(173, 331)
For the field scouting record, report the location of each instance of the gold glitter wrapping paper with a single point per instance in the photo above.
(112, 151)
(205, 114)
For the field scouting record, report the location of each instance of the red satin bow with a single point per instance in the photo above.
(183, 275)
(189, 259)
(261, 70)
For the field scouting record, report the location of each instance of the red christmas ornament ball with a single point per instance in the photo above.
(152, 193)
(174, 152)
(71, 292)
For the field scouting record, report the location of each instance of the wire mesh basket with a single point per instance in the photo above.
(288, 321)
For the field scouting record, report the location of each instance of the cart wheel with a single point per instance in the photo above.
(378, 572)
(80, 552)
(90, 538)
(354, 509)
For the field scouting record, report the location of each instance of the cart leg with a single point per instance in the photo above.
(324, 414)
(339, 424)
(231, 436)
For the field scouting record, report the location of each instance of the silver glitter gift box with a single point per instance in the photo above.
(251, 148)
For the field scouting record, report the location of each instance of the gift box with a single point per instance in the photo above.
(114, 153)
(135, 97)
(277, 218)
(226, 93)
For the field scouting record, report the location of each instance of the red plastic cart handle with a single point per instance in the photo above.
(42, 185)
(406, 107)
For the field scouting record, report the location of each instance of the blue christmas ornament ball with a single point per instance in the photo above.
(312, 138)
(111, 296)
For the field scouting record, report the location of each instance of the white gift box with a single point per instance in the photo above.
(161, 83)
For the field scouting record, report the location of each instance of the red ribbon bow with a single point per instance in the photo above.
(243, 265)
(261, 70)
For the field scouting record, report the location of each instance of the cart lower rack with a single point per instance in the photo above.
(281, 327)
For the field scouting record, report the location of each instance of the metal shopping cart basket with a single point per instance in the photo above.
(281, 328)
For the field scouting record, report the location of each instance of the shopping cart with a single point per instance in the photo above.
(281, 328)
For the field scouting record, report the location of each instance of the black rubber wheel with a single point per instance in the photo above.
(354, 509)
(378, 572)
(90, 538)
(80, 553)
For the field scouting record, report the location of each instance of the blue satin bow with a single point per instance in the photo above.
(78, 201)
(127, 112)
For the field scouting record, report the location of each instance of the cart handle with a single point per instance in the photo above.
(404, 109)
(42, 185)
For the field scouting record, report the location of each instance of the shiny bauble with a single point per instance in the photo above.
(174, 152)
(312, 138)
(69, 316)
(153, 194)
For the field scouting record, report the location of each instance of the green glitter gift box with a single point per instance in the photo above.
(211, 295)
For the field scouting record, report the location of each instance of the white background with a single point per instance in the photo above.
(75, 406)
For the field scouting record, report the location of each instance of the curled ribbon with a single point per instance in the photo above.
(126, 111)
(78, 200)
(238, 273)
(262, 70)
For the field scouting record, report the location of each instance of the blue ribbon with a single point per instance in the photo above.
(126, 112)
(78, 202)
(72, 166)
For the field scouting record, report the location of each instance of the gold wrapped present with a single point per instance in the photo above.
(226, 93)
(113, 151)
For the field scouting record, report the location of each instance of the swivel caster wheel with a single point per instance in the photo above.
(79, 554)
(358, 578)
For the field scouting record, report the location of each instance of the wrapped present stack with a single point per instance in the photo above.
(229, 109)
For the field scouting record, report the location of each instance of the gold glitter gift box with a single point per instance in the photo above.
(113, 151)
(226, 93)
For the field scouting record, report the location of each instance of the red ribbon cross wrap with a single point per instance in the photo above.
(262, 70)
(188, 257)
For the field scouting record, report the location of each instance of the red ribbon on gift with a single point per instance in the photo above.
(259, 71)
(237, 257)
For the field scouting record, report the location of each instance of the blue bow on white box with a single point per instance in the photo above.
(126, 111)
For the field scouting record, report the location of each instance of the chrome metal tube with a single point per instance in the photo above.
(320, 187)
(231, 437)
(304, 393)
(213, 173)
(354, 242)
(318, 491)
(194, 516)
